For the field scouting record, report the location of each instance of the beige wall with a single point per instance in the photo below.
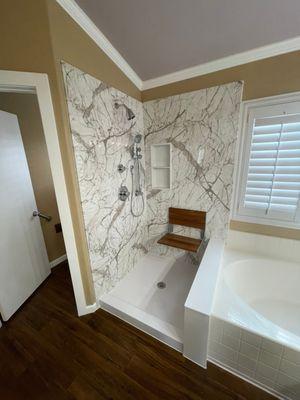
(25, 106)
(71, 44)
(262, 78)
(36, 34)
(265, 230)
(28, 44)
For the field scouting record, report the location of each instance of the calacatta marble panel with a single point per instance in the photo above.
(202, 128)
(102, 138)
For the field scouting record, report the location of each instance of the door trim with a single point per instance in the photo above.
(30, 82)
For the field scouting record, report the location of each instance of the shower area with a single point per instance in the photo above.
(125, 197)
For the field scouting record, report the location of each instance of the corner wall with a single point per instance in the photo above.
(268, 77)
(102, 139)
(202, 129)
(203, 121)
(34, 37)
(70, 43)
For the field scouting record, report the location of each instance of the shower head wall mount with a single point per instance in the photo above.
(129, 113)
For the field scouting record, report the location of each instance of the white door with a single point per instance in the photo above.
(23, 258)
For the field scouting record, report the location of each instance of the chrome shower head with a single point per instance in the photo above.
(137, 138)
(129, 113)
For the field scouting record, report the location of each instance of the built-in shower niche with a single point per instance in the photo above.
(161, 166)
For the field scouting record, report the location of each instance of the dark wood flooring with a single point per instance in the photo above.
(47, 352)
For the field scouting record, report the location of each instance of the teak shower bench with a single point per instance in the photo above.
(189, 218)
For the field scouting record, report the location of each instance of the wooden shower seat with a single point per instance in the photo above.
(189, 218)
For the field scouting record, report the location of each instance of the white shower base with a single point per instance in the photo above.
(159, 312)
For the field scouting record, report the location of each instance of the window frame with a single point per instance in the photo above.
(278, 104)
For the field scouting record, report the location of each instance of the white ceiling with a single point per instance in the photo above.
(158, 37)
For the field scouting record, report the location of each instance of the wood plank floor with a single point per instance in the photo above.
(47, 352)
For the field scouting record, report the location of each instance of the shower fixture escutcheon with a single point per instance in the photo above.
(121, 168)
(123, 193)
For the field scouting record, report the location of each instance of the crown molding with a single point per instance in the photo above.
(259, 53)
(79, 16)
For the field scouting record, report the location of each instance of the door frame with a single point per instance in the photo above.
(38, 83)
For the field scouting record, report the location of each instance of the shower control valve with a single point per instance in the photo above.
(123, 193)
(121, 168)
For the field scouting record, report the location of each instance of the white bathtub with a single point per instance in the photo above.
(261, 294)
(255, 321)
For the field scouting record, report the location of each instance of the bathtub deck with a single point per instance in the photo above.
(48, 353)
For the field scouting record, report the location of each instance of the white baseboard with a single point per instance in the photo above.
(88, 309)
(58, 260)
(83, 310)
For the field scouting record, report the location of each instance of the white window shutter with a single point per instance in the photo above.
(271, 183)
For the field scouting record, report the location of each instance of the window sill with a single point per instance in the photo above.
(265, 229)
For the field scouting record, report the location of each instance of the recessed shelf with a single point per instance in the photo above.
(161, 166)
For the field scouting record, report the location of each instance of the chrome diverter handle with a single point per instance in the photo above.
(123, 193)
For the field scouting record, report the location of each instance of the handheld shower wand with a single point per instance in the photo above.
(135, 170)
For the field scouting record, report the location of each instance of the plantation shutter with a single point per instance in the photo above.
(273, 178)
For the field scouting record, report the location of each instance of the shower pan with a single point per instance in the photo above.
(152, 296)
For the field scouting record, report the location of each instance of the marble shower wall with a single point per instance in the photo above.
(202, 121)
(102, 137)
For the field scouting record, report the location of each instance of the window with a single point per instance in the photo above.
(268, 185)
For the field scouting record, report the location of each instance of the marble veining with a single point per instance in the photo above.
(202, 128)
(102, 138)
